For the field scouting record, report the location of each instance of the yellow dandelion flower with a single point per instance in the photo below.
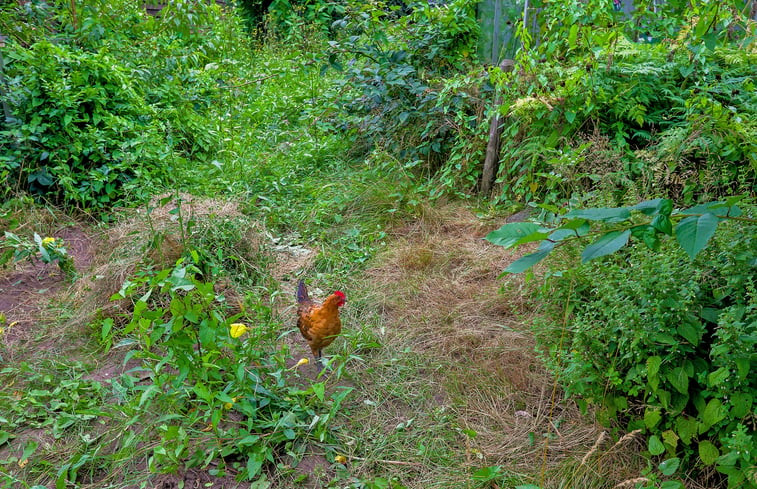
(303, 361)
(238, 329)
(340, 459)
(47, 241)
(228, 405)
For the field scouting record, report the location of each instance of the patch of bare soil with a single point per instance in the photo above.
(26, 290)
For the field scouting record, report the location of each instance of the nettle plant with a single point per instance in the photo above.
(223, 387)
(664, 335)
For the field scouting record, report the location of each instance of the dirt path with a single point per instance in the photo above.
(27, 289)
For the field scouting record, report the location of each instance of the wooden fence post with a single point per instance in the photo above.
(491, 163)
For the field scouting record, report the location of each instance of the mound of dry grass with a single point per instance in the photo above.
(156, 236)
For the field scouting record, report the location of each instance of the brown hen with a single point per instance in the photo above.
(318, 323)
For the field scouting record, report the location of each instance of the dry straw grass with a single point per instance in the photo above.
(151, 235)
(441, 296)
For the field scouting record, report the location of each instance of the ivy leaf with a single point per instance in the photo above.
(511, 233)
(694, 232)
(605, 245)
(708, 452)
(526, 262)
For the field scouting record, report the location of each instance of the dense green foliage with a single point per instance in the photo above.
(668, 345)
(349, 115)
(95, 118)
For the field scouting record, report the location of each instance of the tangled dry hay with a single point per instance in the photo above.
(442, 296)
(153, 235)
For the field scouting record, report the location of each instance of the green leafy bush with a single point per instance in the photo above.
(668, 344)
(220, 374)
(81, 132)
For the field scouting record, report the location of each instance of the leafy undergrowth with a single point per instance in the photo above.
(433, 384)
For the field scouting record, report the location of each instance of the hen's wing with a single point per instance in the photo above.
(304, 307)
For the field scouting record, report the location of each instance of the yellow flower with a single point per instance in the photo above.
(22, 463)
(303, 361)
(228, 405)
(340, 459)
(238, 329)
(47, 241)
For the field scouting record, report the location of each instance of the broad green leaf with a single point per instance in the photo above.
(654, 207)
(717, 377)
(537, 236)
(524, 263)
(679, 380)
(672, 485)
(719, 208)
(713, 413)
(663, 224)
(708, 452)
(319, 389)
(690, 333)
(652, 417)
(485, 474)
(668, 467)
(743, 367)
(694, 232)
(511, 233)
(742, 404)
(653, 365)
(655, 445)
(686, 428)
(670, 438)
(607, 214)
(573, 36)
(605, 245)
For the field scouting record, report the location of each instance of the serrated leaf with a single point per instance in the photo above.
(652, 417)
(712, 413)
(511, 233)
(605, 245)
(690, 333)
(668, 467)
(708, 452)
(653, 365)
(655, 445)
(679, 380)
(742, 404)
(670, 438)
(717, 377)
(686, 428)
(607, 214)
(694, 232)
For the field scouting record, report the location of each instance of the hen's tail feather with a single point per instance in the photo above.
(302, 293)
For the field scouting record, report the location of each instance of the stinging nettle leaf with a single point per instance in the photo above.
(694, 232)
(605, 245)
